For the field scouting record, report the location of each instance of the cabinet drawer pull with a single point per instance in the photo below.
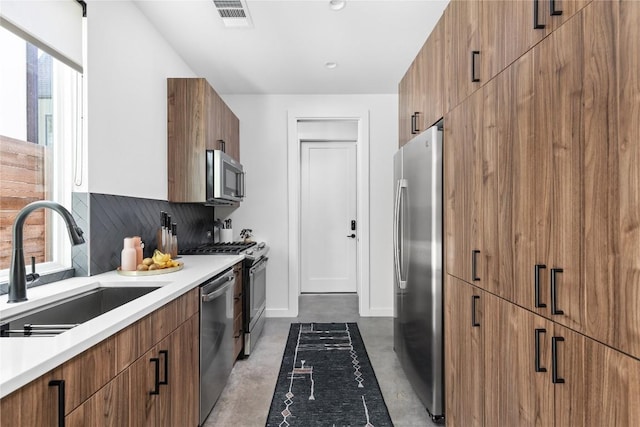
(536, 25)
(554, 295)
(536, 284)
(474, 265)
(61, 401)
(552, 8)
(474, 53)
(539, 331)
(474, 322)
(554, 360)
(156, 386)
(166, 367)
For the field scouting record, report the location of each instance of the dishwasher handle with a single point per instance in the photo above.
(227, 280)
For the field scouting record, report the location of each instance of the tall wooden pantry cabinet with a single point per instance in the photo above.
(541, 109)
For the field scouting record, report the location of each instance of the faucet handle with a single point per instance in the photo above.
(33, 276)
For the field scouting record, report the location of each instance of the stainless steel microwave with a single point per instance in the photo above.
(225, 179)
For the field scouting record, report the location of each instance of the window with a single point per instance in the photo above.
(40, 131)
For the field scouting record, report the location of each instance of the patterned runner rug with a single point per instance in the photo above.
(326, 379)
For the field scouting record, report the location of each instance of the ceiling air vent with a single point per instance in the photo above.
(234, 13)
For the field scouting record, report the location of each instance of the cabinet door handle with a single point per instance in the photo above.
(222, 145)
(414, 123)
(536, 284)
(166, 368)
(474, 53)
(554, 360)
(554, 295)
(61, 397)
(474, 321)
(156, 386)
(539, 331)
(552, 8)
(474, 265)
(536, 25)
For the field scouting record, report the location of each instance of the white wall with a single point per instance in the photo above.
(263, 152)
(127, 65)
(126, 68)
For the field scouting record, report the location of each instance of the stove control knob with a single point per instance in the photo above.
(249, 252)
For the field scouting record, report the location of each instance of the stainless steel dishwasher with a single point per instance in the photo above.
(216, 339)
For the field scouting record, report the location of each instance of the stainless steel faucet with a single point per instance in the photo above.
(17, 276)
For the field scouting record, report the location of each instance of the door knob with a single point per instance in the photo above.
(352, 236)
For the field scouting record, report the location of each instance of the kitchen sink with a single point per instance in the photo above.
(60, 316)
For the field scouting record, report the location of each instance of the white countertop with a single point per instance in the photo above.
(24, 359)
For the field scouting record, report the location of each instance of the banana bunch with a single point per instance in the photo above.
(157, 262)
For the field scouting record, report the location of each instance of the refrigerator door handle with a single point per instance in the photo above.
(397, 239)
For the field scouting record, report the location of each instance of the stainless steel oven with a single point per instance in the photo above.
(256, 276)
(254, 284)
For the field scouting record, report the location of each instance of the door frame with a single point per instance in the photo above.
(294, 209)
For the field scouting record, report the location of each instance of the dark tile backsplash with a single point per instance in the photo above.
(108, 219)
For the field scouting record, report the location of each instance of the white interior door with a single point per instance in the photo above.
(328, 206)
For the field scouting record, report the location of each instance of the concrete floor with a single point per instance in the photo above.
(247, 396)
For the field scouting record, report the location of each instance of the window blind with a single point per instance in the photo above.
(55, 26)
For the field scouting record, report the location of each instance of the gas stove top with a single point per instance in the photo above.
(228, 248)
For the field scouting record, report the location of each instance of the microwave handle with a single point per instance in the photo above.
(240, 178)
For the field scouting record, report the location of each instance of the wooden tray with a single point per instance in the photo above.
(151, 272)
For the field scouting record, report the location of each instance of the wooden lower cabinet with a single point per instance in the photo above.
(167, 395)
(108, 407)
(464, 354)
(110, 383)
(34, 405)
(601, 385)
(517, 368)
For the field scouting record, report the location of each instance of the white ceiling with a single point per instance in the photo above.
(373, 42)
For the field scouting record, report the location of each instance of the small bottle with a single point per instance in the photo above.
(174, 241)
(137, 244)
(128, 255)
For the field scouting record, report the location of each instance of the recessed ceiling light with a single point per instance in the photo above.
(337, 4)
(331, 65)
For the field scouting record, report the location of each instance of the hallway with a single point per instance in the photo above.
(246, 399)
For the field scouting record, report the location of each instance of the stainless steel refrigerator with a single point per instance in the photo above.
(418, 272)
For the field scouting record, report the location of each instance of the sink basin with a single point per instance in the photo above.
(63, 315)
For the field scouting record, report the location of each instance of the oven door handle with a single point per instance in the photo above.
(262, 264)
(220, 291)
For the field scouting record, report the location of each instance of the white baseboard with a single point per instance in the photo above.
(280, 312)
(378, 312)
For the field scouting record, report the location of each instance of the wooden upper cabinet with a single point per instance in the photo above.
(511, 28)
(463, 188)
(462, 51)
(517, 168)
(197, 119)
(431, 79)
(421, 91)
(411, 100)
(404, 109)
(231, 133)
(471, 208)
